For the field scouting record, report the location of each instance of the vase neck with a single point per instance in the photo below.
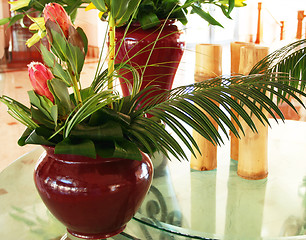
(72, 158)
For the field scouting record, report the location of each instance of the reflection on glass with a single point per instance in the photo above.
(203, 201)
(245, 205)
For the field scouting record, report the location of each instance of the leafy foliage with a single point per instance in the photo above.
(151, 12)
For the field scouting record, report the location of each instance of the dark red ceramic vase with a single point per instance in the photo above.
(161, 63)
(93, 198)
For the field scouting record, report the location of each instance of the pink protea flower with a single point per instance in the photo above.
(56, 13)
(39, 75)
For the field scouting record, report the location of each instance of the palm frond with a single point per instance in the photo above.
(197, 103)
(289, 59)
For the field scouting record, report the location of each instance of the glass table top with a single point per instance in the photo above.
(183, 203)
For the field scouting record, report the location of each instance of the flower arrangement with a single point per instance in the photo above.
(98, 121)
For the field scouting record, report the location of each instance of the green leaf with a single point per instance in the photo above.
(84, 147)
(14, 19)
(48, 57)
(35, 138)
(100, 5)
(62, 74)
(127, 11)
(50, 61)
(75, 57)
(42, 103)
(84, 38)
(108, 131)
(58, 40)
(89, 107)
(231, 5)
(41, 118)
(119, 149)
(4, 21)
(105, 115)
(206, 16)
(148, 20)
(61, 96)
(24, 136)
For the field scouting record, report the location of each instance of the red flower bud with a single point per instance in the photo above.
(56, 13)
(39, 75)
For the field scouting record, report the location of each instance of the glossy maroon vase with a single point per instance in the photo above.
(93, 198)
(163, 61)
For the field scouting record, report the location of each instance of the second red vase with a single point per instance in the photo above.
(157, 66)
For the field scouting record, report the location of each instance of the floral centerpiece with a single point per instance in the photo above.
(95, 172)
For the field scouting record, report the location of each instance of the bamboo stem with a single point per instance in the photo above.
(253, 147)
(208, 65)
(235, 61)
(112, 52)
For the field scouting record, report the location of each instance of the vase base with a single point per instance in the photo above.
(79, 236)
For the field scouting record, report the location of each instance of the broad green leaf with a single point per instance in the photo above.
(42, 103)
(39, 117)
(127, 150)
(84, 147)
(4, 21)
(48, 57)
(34, 138)
(105, 114)
(14, 19)
(108, 131)
(62, 74)
(51, 62)
(84, 38)
(58, 40)
(61, 96)
(206, 16)
(100, 5)
(130, 10)
(148, 20)
(24, 136)
(75, 57)
(118, 149)
(89, 107)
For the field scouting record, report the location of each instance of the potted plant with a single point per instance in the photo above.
(152, 43)
(95, 171)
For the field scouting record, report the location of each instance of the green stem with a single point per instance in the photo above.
(76, 90)
(111, 65)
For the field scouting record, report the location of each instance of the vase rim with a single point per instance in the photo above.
(72, 158)
(161, 21)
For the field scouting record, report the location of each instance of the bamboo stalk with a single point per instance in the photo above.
(235, 61)
(112, 51)
(208, 65)
(253, 147)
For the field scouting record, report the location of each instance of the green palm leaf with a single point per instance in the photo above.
(196, 103)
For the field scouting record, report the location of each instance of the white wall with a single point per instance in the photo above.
(243, 27)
